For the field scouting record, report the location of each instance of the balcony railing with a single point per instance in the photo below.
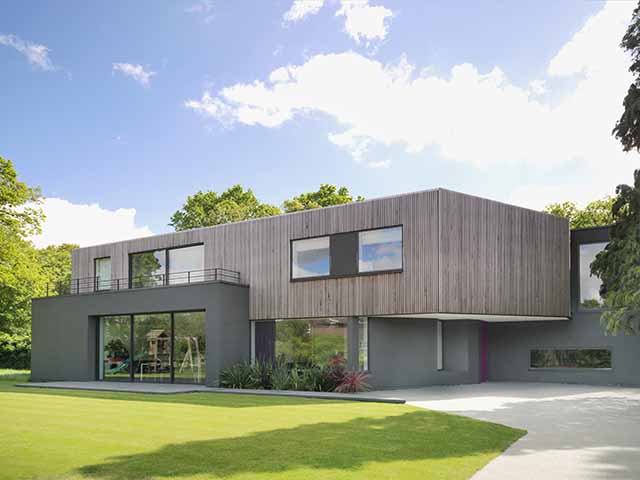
(96, 284)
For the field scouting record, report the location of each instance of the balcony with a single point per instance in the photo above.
(78, 286)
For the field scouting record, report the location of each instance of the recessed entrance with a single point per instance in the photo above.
(156, 347)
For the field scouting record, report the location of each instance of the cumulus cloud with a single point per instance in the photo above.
(137, 72)
(364, 21)
(302, 8)
(86, 225)
(37, 55)
(470, 116)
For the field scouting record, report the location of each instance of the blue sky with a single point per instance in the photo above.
(120, 110)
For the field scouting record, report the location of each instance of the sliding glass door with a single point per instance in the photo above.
(158, 347)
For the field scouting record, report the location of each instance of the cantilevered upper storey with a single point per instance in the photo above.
(429, 252)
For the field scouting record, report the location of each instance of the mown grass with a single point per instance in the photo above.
(50, 433)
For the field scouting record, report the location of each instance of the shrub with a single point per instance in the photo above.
(280, 377)
(353, 382)
(261, 372)
(15, 351)
(237, 376)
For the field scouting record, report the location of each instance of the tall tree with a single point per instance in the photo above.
(618, 265)
(627, 128)
(595, 214)
(205, 209)
(325, 196)
(18, 202)
(54, 262)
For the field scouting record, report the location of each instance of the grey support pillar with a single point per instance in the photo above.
(353, 346)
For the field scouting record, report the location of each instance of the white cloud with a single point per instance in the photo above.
(468, 116)
(137, 72)
(37, 55)
(302, 8)
(203, 8)
(364, 21)
(86, 224)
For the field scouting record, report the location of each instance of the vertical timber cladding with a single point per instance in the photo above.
(501, 259)
(462, 254)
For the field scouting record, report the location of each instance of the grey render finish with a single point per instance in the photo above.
(64, 329)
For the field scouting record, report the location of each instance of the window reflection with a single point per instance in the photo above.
(310, 257)
(380, 250)
(589, 284)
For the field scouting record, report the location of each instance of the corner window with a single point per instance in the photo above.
(380, 250)
(589, 284)
(310, 257)
(102, 267)
(318, 341)
(571, 358)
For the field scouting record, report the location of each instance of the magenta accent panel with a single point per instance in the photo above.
(484, 363)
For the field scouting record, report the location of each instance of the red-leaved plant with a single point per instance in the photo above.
(353, 382)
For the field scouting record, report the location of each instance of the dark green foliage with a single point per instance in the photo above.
(205, 209)
(15, 351)
(627, 128)
(326, 196)
(237, 376)
(618, 265)
(261, 372)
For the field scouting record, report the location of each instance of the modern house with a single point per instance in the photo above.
(433, 287)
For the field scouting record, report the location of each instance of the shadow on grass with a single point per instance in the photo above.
(224, 400)
(413, 436)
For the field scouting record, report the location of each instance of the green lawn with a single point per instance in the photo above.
(78, 435)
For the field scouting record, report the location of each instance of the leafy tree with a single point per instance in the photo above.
(16, 213)
(326, 196)
(618, 265)
(55, 263)
(595, 214)
(205, 209)
(627, 128)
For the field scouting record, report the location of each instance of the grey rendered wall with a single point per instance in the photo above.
(510, 344)
(64, 328)
(402, 352)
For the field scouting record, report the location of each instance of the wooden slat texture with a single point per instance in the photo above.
(500, 259)
(486, 248)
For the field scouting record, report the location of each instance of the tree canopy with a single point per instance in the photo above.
(595, 214)
(627, 128)
(16, 198)
(618, 265)
(327, 195)
(205, 209)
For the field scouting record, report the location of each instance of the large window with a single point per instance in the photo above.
(189, 348)
(380, 250)
(148, 269)
(186, 264)
(310, 257)
(103, 273)
(165, 347)
(571, 358)
(167, 267)
(310, 342)
(115, 345)
(589, 284)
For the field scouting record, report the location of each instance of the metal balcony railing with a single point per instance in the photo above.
(96, 284)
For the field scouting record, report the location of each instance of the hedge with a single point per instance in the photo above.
(15, 351)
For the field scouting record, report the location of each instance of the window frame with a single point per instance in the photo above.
(315, 277)
(579, 307)
(357, 259)
(572, 369)
(96, 284)
(387, 270)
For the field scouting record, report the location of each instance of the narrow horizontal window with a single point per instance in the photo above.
(310, 257)
(571, 358)
(380, 250)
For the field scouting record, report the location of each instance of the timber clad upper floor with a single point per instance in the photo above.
(459, 254)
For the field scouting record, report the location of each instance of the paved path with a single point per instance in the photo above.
(575, 431)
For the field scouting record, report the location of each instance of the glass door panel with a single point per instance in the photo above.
(115, 343)
(152, 347)
(189, 347)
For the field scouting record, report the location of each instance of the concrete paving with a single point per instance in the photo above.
(575, 431)
(172, 388)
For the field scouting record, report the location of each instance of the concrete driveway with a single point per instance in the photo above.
(575, 431)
